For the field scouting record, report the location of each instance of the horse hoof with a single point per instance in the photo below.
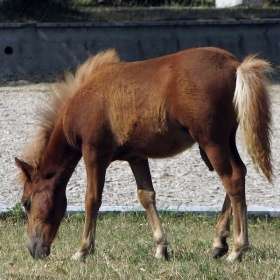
(237, 255)
(166, 255)
(234, 256)
(218, 252)
(162, 255)
(78, 256)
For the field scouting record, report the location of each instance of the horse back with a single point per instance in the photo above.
(153, 108)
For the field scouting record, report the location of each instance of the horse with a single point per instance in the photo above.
(132, 111)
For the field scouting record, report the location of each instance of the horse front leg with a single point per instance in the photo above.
(96, 170)
(146, 193)
(220, 246)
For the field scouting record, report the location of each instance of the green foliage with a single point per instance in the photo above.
(32, 5)
(147, 3)
(272, 3)
(16, 213)
(35, 10)
(83, 10)
(28, 6)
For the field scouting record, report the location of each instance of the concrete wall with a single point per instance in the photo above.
(47, 47)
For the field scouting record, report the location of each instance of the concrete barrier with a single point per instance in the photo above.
(37, 48)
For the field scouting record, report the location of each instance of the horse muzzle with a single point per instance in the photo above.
(36, 249)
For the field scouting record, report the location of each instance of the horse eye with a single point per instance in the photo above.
(26, 204)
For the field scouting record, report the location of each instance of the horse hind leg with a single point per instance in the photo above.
(146, 193)
(220, 246)
(222, 232)
(232, 171)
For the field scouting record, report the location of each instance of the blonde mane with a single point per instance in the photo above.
(61, 94)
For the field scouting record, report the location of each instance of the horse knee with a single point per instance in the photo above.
(146, 198)
(235, 187)
(92, 204)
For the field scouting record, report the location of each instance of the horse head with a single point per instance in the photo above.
(45, 205)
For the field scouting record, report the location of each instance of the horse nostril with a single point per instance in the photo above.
(31, 250)
(41, 251)
(36, 250)
(31, 245)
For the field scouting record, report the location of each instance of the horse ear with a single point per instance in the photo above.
(26, 168)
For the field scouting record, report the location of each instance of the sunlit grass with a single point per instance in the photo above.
(125, 249)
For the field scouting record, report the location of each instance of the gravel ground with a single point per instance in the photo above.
(181, 180)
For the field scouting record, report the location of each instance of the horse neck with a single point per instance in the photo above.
(59, 157)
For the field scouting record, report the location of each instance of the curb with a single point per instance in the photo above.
(253, 211)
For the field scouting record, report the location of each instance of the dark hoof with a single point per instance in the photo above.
(163, 255)
(166, 255)
(219, 252)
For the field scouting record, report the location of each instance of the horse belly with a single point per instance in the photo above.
(166, 145)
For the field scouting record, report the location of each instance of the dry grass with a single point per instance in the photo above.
(124, 250)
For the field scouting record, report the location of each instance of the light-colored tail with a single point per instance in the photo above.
(253, 106)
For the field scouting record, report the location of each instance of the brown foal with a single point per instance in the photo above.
(111, 110)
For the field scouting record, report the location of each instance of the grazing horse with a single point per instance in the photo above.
(111, 110)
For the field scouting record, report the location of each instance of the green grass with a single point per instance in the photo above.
(125, 249)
